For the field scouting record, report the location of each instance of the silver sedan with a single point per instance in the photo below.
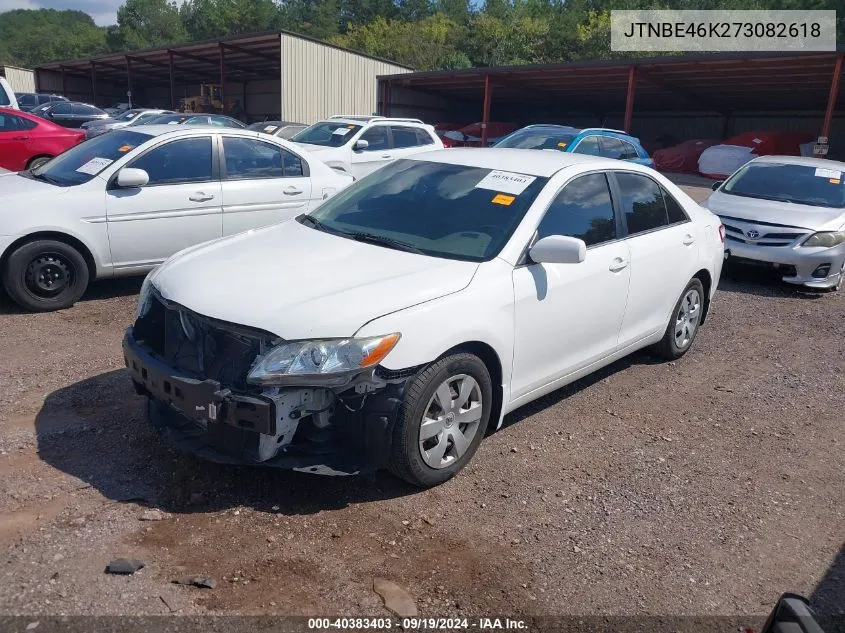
(786, 213)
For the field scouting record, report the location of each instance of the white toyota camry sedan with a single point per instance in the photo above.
(121, 203)
(401, 320)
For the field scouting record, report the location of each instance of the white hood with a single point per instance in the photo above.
(19, 192)
(774, 212)
(297, 282)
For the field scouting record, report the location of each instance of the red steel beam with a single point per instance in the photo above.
(629, 98)
(831, 98)
(223, 75)
(170, 72)
(486, 114)
(129, 79)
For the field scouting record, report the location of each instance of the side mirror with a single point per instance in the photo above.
(792, 614)
(717, 184)
(130, 178)
(360, 144)
(558, 249)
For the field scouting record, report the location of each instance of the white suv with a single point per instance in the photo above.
(359, 145)
(7, 95)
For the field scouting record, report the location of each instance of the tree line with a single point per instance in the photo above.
(423, 34)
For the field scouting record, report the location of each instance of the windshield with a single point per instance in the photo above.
(162, 119)
(80, 164)
(438, 209)
(539, 138)
(802, 184)
(128, 115)
(327, 133)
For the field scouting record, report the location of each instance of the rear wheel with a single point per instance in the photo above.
(45, 275)
(683, 326)
(38, 161)
(442, 421)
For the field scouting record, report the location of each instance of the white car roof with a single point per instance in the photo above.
(165, 128)
(520, 161)
(806, 161)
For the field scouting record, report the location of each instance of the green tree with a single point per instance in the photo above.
(147, 23)
(32, 37)
(315, 18)
(209, 19)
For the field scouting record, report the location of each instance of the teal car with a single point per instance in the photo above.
(594, 141)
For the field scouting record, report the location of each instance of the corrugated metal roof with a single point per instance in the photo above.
(720, 82)
(255, 56)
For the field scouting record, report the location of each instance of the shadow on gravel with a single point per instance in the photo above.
(97, 290)
(742, 279)
(553, 398)
(96, 430)
(828, 598)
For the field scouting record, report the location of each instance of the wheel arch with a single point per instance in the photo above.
(706, 280)
(58, 236)
(491, 360)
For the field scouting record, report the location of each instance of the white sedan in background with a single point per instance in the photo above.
(121, 203)
(403, 318)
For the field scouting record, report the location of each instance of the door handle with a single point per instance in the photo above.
(201, 197)
(618, 264)
(291, 191)
(19, 138)
(688, 239)
(385, 155)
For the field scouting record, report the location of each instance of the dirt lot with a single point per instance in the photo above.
(709, 485)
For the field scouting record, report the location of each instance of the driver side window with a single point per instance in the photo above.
(176, 162)
(583, 209)
(377, 138)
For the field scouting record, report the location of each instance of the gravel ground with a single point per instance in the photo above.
(705, 486)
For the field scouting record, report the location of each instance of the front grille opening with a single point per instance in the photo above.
(212, 351)
(246, 424)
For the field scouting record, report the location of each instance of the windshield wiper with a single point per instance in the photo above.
(43, 177)
(371, 238)
(302, 219)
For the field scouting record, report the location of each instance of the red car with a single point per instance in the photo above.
(28, 141)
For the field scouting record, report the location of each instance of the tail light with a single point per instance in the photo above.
(722, 232)
(447, 143)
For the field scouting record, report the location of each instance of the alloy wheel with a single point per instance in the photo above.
(451, 421)
(686, 321)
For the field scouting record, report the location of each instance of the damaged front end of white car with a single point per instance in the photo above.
(233, 394)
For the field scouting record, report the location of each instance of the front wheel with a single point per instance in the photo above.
(38, 161)
(45, 275)
(683, 326)
(443, 418)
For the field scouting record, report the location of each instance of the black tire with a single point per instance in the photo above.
(668, 347)
(406, 461)
(36, 162)
(45, 275)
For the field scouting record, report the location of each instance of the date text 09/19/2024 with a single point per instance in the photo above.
(417, 624)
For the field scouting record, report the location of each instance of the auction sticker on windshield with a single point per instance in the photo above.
(342, 131)
(828, 173)
(505, 181)
(94, 166)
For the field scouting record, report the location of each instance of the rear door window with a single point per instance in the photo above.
(642, 202)
(629, 152)
(404, 137)
(4, 98)
(424, 138)
(61, 108)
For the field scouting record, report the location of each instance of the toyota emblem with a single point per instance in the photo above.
(752, 234)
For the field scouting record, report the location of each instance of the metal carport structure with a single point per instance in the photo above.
(723, 88)
(260, 70)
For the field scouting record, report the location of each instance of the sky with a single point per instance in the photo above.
(104, 12)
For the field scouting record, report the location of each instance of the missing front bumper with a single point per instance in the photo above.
(205, 418)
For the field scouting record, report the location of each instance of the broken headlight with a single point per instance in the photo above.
(320, 358)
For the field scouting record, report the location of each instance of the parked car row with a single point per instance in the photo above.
(360, 297)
